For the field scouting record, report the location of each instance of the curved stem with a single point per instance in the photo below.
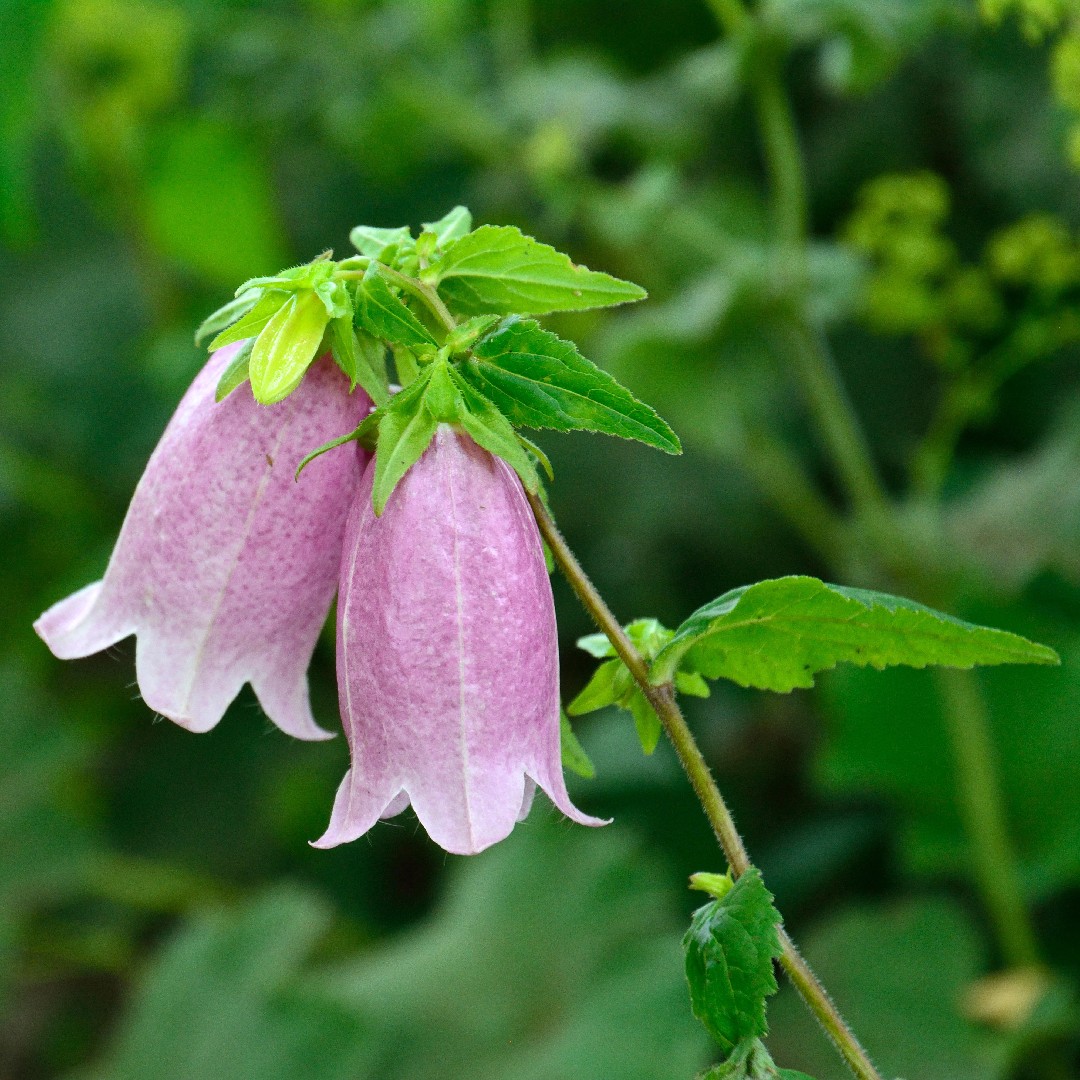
(662, 699)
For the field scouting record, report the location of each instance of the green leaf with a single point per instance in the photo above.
(253, 322)
(491, 430)
(385, 316)
(574, 757)
(538, 380)
(730, 948)
(600, 691)
(228, 314)
(646, 722)
(361, 357)
(286, 346)
(450, 227)
(235, 373)
(405, 430)
(776, 635)
(499, 269)
(466, 333)
(373, 242)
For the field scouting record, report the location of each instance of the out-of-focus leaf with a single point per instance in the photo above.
(451, 226)
(730, 948)
(209, 205)
(898, 973)
(888, 737)
(497, 269)
(372, 241)
(776, 635)
(217, 1002)
(252, 322)
(499, 940)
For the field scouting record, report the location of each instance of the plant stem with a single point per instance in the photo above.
(662, 699)
(982, 810)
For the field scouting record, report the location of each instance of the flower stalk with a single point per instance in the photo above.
(662, 699)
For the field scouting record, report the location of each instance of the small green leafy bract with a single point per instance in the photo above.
(777, 634)
(574, 757)
(538, 380)
(730, 948)
(612, 683)
(235, 373)
(451, 226)
(440, 396)
(228, 314)
(385, 316)
(286, 347)
(497, 269)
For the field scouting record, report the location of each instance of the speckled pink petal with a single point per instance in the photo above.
(226, 566)
(448, 664)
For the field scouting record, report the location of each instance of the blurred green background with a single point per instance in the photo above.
(161, 915)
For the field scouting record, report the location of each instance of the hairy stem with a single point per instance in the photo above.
(662, 699)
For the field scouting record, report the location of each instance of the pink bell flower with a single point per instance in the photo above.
(226, 566)
(448, 663)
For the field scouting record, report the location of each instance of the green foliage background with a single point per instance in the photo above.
(160, 912)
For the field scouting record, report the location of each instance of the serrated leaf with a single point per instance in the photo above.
(286, 347)
(729, 949)
(235, 373)
(372, 241)
(451, 226)
(385, 316)
(499, 269)
(226, 315)
(491, 430)
(574, 757)
(252, 323)
(538, 380)
(776, 635)
(405, 430)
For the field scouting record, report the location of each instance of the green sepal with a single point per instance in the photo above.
(286, 347)
(574, 757)
(729, 949)
(599, 691)
(252, 322)
(491, 430)
(336, 298)
(776, 635)
(541, 458)
(537, 380)
(612, 683)
(235, 373)
(226, 315)
(499, 269)
(386, 316)
(405, 430)
(451, 226)
(361, 357)
(374, 242)
(466, 334)
(366, 434)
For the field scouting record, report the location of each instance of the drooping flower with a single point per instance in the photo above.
(226, 566)
(448, 664)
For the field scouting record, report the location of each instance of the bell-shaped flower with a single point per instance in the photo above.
(448, 663)
(226, 566)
